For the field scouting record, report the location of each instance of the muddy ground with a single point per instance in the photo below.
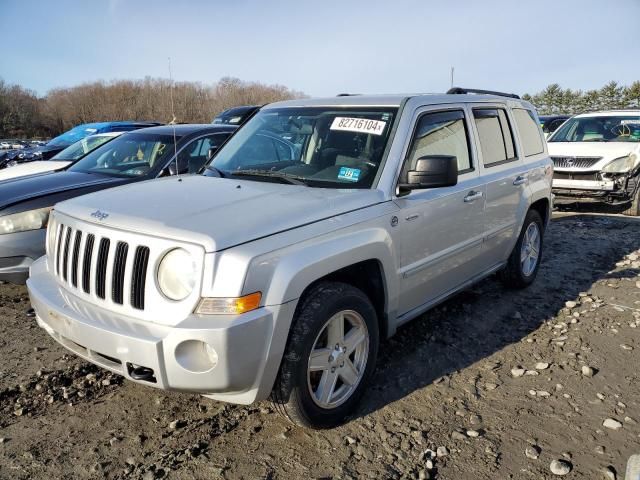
(489, 385)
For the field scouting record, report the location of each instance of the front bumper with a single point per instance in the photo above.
(613, 189)
(17, 252)
(247, 353)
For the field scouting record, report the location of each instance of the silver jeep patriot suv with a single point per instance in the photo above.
(317, 229)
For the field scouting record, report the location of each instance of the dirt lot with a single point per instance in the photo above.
(493, 384)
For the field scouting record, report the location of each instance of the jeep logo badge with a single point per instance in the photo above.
(99, 215)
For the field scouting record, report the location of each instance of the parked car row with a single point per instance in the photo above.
(35, 150)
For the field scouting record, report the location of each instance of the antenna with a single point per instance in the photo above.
(173, 122)
(452, 70)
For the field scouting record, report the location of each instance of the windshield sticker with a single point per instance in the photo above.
(633, 121)
(359, 125)
(349, 174)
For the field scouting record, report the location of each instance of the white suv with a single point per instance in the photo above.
(321, 226)
(596, 157)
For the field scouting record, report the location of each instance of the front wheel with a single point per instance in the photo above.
(634, 206)
(329, 358)
(524, 261)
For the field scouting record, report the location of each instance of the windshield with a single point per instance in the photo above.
(130, 155)
(73, 135)
(82, 147)
(599, 129)
(317, 146)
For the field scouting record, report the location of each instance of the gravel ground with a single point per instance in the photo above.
(494, 384)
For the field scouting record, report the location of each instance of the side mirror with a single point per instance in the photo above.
(432, 171)
(212, 151)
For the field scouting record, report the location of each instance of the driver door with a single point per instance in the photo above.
(441, 228)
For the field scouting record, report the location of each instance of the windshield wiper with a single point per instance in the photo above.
(288, 178)
(216, 170)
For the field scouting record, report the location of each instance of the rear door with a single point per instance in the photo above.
(505, 176)
(441, 228)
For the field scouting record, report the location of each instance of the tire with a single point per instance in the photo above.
(634, 206)
(297, 392)
(517, 273)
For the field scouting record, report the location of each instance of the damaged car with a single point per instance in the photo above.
(596, 158)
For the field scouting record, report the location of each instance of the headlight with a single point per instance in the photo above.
(622, 164)
(24, 221)
(177, 274)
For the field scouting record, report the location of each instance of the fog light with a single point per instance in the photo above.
(196, 356)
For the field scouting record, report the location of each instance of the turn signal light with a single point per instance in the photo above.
(229, 306)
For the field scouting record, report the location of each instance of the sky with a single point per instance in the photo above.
(324, 47)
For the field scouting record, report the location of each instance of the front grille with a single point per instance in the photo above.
(575, 162)
(138, 277)
(592, 176)
(74, 255)
(119, 262)
(101, 267)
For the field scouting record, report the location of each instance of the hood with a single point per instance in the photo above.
(31, 168)
(49, 151)
(18, 190)
(607, 150)
(215, 212)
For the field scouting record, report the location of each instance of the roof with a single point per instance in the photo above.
(119, 122)
(106, 134)
(185, 129)
(611, 113)
(386, 100)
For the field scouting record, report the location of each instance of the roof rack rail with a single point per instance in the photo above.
(348, 94)
(462, 91)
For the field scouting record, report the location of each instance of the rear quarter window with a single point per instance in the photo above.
(530, 137)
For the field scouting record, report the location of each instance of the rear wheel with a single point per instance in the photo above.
(329, 358)
(524, 261)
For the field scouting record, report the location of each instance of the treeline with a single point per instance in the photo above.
(555, 99)
(24, 114)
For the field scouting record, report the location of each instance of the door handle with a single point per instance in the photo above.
(519, 180)
(472, 195)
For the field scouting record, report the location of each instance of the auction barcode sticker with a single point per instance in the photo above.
(633, 121)
(360, 125)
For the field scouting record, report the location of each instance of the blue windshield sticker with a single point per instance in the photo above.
(350, 174)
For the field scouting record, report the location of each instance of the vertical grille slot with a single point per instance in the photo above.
(119, 263)
(65, 255)
(139, 275)
(74, 259)
(101, 267)
(86, 264)
(61, 228)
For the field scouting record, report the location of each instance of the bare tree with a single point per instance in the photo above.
(22, 113)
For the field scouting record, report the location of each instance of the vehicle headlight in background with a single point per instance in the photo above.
(229, 306)
(622, 164)
(177, 274)
(24, 221)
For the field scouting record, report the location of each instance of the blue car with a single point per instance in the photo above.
(61, 142)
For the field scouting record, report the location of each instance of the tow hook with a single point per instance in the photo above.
(140, 373)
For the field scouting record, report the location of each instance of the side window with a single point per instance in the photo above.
(440, 133)
(529, 132)
(496, 139)
(194, 155)
(260, 149)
